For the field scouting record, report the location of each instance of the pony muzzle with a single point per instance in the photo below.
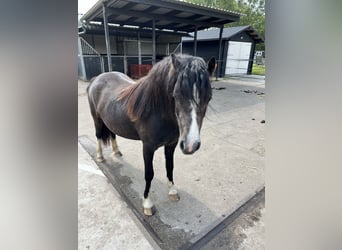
(190, 147)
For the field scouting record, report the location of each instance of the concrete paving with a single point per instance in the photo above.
(226, 172)
(246, 230)
(105, 222)
(252, 78)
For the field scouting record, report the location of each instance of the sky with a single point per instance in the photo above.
(85, 5)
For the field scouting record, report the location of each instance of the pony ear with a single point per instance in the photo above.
(211, 65)
(175, 61)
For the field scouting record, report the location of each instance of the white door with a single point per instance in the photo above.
(238, 57)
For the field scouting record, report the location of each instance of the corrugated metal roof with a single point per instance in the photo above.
(168, 14)
(96, 28)
(213, 34)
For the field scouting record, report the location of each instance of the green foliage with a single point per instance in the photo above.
(254, 11)
(258, 69)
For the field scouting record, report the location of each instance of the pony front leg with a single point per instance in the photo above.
(169, 151)
(99, 155)
(148, 159)
(173, 193)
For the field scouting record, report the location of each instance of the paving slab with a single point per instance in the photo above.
(104, 219)
(242, 230)
(226, 172)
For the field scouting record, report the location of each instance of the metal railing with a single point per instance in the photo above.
(88, 51)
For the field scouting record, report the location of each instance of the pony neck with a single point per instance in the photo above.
(152, 94)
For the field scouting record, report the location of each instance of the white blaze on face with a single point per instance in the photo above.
(195, 93)
(193, 135)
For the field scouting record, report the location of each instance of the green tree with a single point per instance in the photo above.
(222, 4)
(253, 10)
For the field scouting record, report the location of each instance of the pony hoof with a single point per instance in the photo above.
(174, 197)
(148, 211)
(100, 159)
(116, 154)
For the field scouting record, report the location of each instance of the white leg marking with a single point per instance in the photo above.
(147, 203)
(172, 189)
(173, 194)
(115, 148)
(99, 155)
(147, 206)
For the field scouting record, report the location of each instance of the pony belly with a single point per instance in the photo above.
(118, 122)
(126, 133)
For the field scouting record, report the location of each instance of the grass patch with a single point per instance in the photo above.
(258, 69)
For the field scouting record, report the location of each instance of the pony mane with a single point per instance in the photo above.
(194, 81)
(154, 91)
(151, 92)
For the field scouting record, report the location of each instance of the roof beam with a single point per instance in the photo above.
(150, 9)
(192, 9)
(114, 11)
(173, 12)
(99, 29)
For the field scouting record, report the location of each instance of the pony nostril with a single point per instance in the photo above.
(182, 145)
(197, 145)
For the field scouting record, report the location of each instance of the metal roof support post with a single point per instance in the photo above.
(102, 64)
(219, 61)
(195, 42)
(251, 59)
(125, 57)
(105, 23)
(153, 41)
(139, 48)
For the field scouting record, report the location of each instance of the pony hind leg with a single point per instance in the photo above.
(169, 151)
(102, 135)
(116, 152)
(99, 154)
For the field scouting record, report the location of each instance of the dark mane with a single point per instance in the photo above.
(195, 73)
(154, 91)
(150, 93)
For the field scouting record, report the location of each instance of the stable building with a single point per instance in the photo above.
(131, 35)
(130, 49)
(238, 47)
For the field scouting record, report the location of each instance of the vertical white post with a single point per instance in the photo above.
(139, 48)
(153, 41)
(105, 23)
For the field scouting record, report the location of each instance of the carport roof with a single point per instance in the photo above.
(213, 34)
(168, 14)
(98, 29)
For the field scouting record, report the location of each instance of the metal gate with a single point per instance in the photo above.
(90, 62)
